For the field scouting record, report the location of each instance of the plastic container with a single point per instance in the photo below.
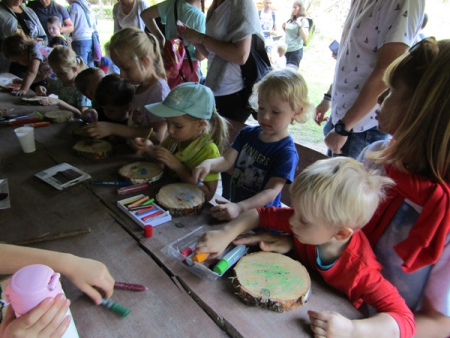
(29, 286)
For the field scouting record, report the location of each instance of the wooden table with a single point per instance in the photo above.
(178, 302)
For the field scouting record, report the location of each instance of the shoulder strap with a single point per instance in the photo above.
(259, 13)
(187, 51)
(85, 14)
(273, 18)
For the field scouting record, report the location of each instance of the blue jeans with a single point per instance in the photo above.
(83, 48)
(356, 142)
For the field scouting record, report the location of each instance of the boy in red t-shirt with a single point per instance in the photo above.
(332, 200)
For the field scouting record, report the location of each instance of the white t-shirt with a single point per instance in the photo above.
(216, 27)
(369, 25)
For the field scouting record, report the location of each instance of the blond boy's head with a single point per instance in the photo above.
(288, 85)
(339, 192)
(281, 50)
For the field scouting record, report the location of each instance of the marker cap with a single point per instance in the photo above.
(120, 310)
(200, 257)
(148, 231)
(221, 267)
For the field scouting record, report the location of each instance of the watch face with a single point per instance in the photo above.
(340, 129)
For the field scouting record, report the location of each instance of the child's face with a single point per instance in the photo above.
(183, 130)
(275, 115)
(394, 102)
(309, 231)
(65, 74)
(129, 69)
(116, 113)
(54, 29)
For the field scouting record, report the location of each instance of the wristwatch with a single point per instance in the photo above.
(339, 128)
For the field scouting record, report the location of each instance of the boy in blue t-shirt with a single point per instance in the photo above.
(264, 156)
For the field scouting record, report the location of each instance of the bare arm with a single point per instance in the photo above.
(237, 52)
(68, 26)
(86, 274)
(148, 16)
(30, 76)
(50, 101)
(367, 98)
(304, 32)
(431, 323)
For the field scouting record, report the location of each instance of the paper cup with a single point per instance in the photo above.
(26, 138)
(5, 201)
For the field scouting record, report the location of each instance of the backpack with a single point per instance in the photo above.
(312, 29)
(173, 55)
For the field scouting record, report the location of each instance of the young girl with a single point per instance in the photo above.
(27, 52)
(188, 110)
(66, 65)
(264, 157)
(142, 66)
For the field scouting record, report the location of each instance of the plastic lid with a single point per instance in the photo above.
(221, 267)
(148, 231)
(200, 257)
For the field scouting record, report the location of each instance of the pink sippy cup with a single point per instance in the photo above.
(30, 285)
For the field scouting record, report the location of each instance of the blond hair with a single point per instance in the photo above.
(339, 191)
(289, 85)
(65, 57)
(421, 142)
(136, 44)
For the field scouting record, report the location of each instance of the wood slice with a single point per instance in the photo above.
(93, 149)
(59, 116)
(181, 199)
(272, 281)
(141, 172)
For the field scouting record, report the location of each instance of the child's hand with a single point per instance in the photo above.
(199, 173)
(226, 211)
(89, 115)
(90, 276)
(99, 130)
(48, 319)
(165, 156)
(321, 110)
(40, 90)
(213, 243)
(330, 324)
(49, 101)
(142, 147)
(19, 92)
(267, 241)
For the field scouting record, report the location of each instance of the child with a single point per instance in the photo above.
(264, 156)
(114, 96)
(332, 200)
(280, 61)
(66, 65)
(188, 110)
(21, 49)
(142, 66)
(54, 29)
(87, 82)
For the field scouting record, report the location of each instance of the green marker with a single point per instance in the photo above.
(115, 307)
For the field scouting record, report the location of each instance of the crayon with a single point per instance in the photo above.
(39, 124)
(115, 307)
(146, 211)
(133, 188)
(129, 286)
(200, 183)
(200, 257)
(138, 202)
(121, 183)
(131, 200)
(143, 219)
(152, 217)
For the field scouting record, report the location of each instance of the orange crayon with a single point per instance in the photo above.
(139, 201)
(200, 257)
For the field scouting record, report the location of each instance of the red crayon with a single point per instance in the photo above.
(143, 219)
(129, 286)
(143, 211)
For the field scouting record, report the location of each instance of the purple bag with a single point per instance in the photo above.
(96, 48)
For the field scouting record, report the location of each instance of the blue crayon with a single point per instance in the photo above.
(200, 183)
(120, 183)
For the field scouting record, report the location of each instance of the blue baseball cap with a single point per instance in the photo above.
(187, 98)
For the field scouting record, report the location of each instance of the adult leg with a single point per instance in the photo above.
(83, 48)
(293, 58)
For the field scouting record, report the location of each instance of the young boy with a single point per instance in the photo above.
(54, 29)
(280, 61)
(87, 82)
(332, 200)
(264, 156)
